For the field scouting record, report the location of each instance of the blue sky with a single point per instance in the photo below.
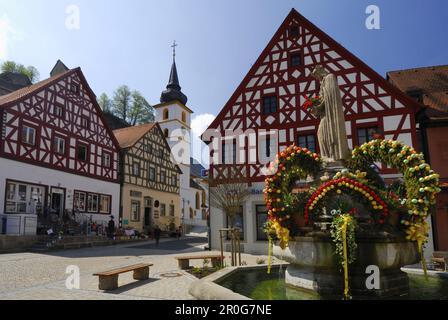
(128, 42)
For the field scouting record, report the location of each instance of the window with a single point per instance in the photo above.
(174, 179)
(58, 111)
(162, 176)
(171, 210)
(184, 116)
(135, 210)
(261, 213)
(59, 145)
(294, 31)
(24, 198)
(191, 213)
(197, 200)
(107, 159)
(307, 141)
(296, 59)
(152, 174)
(162, 209)
(104, 204)
(79, 201)
(166, 133)
(74, 88)
(238, 222)
(166, 114)
(81, 153)
(28, 135)
(92, 202)
(85, 122)
(366, 134)
(270, 104)
(228, 154)
(136, 168)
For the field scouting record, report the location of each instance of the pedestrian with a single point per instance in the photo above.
(157, 234)
(178, 233)
(111, 228)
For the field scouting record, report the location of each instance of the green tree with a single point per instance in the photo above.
(31, 72)
(122, 102)
(105, 103)
(141, 111)
(129, 106)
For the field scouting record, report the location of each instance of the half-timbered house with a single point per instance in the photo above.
(264, 114)
(56, 155)
(149, 179)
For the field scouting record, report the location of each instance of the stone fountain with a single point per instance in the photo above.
(313, 262)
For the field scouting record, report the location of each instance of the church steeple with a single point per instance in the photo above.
(173, 90)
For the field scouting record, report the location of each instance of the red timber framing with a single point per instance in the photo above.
(34, 107)
(367, 97)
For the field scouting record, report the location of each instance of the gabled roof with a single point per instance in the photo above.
(430, 82)
(24, 93)
(27, 91)
(196, 168)
(128, 137)
(58, 68)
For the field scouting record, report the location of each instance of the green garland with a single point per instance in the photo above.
(336, 235)
(420, 181)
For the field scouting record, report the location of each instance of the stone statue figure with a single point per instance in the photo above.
(331, 134)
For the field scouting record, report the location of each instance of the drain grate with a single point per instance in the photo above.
(171, 275)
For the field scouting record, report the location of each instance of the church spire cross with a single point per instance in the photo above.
(174, 45)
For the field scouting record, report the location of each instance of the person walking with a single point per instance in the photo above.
(111, 228)
(157, 234)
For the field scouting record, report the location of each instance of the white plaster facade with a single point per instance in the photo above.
(175, 119)
(54, 181)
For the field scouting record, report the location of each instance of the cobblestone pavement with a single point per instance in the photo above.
(42, 275)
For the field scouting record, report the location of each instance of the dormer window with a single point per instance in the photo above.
(166, 114)
(269, 104)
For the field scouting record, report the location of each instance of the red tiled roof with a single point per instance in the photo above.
(127, 137)
(432, 82)
(18, 94)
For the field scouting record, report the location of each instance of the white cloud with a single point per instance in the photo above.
(199, 124)
(5, 32)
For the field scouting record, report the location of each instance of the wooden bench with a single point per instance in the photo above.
(440, 260)
(184, 261)
(108, 280)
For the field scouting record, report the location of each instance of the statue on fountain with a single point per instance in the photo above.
(332, 135)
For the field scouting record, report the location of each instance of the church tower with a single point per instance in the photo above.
(174, 118)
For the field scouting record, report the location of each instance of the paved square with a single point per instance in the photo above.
(42, 276)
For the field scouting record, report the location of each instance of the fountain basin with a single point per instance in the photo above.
(314, 265)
